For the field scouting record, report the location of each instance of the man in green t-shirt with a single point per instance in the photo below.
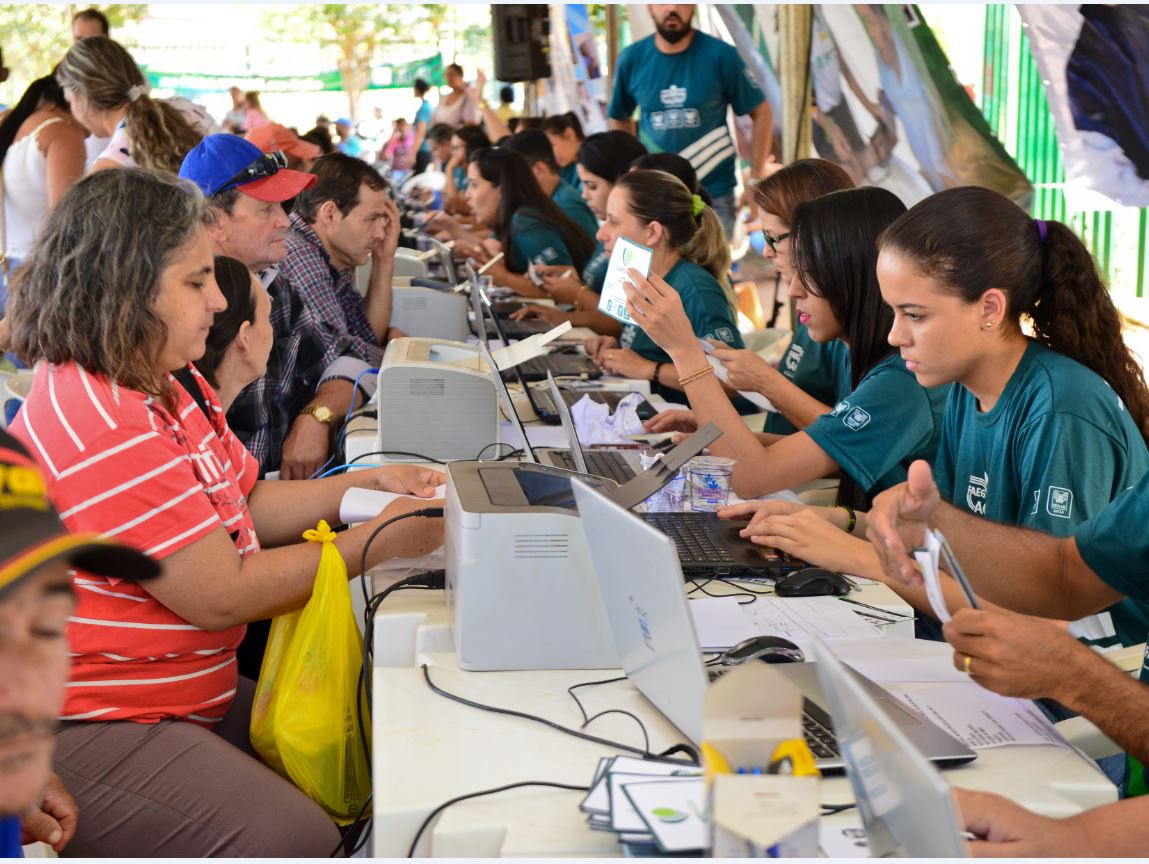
(683, 82)
(1064, 578)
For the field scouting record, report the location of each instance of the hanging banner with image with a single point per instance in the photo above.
(1094, 64)
(889, 110)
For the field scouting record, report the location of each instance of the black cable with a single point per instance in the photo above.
(573, 687)
(484, 792)
(354, 830)
(407, 453)
(479, 458)
(587, 720)
(753, 595)
(431, 512)
(509, 712)
(830, 809)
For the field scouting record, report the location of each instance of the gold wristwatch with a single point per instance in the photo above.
(321, 413)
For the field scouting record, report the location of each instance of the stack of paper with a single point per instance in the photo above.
(722, 622)
(655, 807)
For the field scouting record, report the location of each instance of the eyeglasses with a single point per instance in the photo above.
(773, 242)
(265, 166)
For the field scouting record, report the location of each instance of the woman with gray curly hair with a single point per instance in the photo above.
(118, 294)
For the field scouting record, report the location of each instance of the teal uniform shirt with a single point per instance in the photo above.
(820, 369)
(683, 100)
(705, 304)
(594, 274)
(459, 175)
(569, 173)
(533, 241)
(1054, 450)
(423, 115)
(883, 425)
(570, 202)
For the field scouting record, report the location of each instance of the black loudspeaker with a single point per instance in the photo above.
(522, 41)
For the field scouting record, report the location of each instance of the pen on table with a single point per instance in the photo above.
(896, 615)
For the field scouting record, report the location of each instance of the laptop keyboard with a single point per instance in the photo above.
(817, 728)
(696, 545)
(604, 463)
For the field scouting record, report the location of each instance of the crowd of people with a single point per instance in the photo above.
(202, 306)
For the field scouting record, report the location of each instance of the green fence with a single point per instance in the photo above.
(1013, 101)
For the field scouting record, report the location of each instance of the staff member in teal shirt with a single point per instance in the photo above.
(691, 259)
(505, 196)
(564, 131)
(886, 421)
(813, 376)
(533, 145)
(602, 159)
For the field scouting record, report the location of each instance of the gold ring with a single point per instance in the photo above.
(968, 661)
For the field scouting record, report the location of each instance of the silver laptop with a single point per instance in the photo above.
(642, 589)
(617, 464)
(907, 808)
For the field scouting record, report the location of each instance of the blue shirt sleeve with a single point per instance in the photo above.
(879, 426)
(1115, 543)
(742, 91)
(622, 101)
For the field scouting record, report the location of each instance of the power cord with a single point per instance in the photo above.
(481, 794)
(587, 720)
(701, 586)
(509, 712)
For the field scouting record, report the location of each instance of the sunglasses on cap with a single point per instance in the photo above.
(265, 166)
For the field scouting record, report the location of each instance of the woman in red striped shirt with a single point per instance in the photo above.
(117, 295)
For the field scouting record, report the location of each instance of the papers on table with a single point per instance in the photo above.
(927, 558)
(721, 622)
(626, 255)
(980, 718)
(845, 838)
(361, 505)
(653, 806)
(527, 349)
(720, 372)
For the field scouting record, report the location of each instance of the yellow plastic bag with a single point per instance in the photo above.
(304, 722)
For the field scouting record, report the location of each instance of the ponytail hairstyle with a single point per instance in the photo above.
(609, 154)
(565, 146)
(803, 180)
(656, 196)
(234, 280)
(557, 124)
(520, 190)
(43, 92)
(834, 249)
(971, 239)
(677, 165)
(101, 73)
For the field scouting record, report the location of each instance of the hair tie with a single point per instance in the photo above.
(1041, 230)
(136, 91)
(696, 206)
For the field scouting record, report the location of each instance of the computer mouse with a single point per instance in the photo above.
(812, 582)
(768, 649)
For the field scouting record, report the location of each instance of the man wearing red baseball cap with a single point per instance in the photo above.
(287, 418)
(36, 553)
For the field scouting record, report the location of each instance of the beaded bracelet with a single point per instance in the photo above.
(694, 376)
(853, 518)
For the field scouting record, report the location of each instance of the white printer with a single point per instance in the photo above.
(521, 586)
(435, 398)
(423, 310)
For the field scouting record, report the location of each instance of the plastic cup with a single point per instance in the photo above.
(671, 498)
(709, 478)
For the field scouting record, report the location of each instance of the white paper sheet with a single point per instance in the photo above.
(673, 811)
(909, 669)
(527, 349)
(981, 718)
(721, 622)
(623, 816)
(595, 424)
(625, 255)
(360, 505)
(720, 372)
(927, 559)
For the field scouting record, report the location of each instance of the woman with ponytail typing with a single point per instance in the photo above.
(883, 424)
(1041, 432)
(691, 259)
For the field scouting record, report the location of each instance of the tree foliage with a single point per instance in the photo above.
(35, 37)
(355, 33)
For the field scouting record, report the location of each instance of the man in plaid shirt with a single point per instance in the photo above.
(339, 223)
(286, 419)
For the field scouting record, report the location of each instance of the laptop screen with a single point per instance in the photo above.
(567, 421)
(906, 806)
(505, 396)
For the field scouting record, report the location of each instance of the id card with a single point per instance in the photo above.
(625, 255)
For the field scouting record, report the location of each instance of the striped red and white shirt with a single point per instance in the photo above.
(117, 462)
